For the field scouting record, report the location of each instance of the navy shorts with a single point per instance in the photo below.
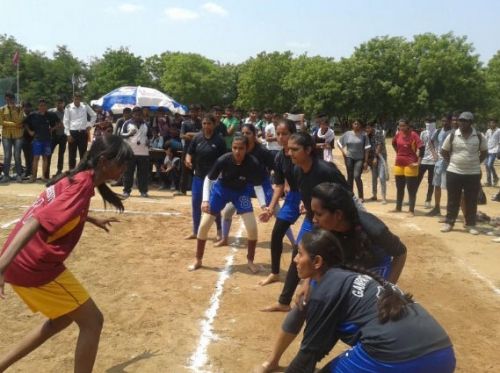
(290, 211)
(357, 360)
(41, 148)
(221, 196)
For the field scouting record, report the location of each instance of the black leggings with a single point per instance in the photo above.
(430, 176)
(291, 281)
(279, 231)
(411, 182)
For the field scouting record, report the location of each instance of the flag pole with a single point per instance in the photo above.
(17, 84)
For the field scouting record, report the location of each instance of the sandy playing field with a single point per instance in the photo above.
(161, 318)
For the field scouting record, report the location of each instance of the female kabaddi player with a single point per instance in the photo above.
(231, 180)
(32, 259)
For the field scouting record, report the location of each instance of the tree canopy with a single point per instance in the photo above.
(385, 78)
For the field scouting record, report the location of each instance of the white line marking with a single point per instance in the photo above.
(8, 224)
(476, 274)
(199, 359)
(161, 213)
(412, 226)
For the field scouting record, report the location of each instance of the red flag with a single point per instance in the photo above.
(15, 58)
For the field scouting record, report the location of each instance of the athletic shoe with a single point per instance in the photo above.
(436, 211)
(472, 230)
(125, 195)
(5, 179)
(427, 204)
(19, 179)
(179, 194)
(144, 195)
(374, 198)
(384, 201)
(446, 228)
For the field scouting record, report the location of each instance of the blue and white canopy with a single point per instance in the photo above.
(123, 97)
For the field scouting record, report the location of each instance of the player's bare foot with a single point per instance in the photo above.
(270, 279)
(192, 236)
(278, 307)
(254, 268)
(266, 367)
(222, 242)
(196, 265)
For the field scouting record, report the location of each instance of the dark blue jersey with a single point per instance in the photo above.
(205, 152)
(343, 306)
(283, 171)
(236, 176)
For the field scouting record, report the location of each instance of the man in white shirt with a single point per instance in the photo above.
(493, 140)
(77, 127)
(270, 137)
(464, 149)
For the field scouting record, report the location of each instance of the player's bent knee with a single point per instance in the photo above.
(206, 222)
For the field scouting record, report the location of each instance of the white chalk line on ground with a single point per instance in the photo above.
(475, 273)
(8, 224)
(132, 212)
(479, 276)
(199, 358)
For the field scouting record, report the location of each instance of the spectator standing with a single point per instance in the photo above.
(40, 125)
(232, 126)
(465, 149)
(355, 148)
(189, 128)
(493, 141)
(429, 159)
(58, 137)
(377, 160)
(409, 151)
(126, 115)
(324, 137)
(27, 143)
(271, 136)
(439, 180)
(78, 120)
(11, 120)
(161, 122)
(137, 134)
(220, 129)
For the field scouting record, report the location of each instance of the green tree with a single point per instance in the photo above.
(313, 84)
(446, 75)
(261, 82)
(492, 93)
(191, 78)
(114, 69)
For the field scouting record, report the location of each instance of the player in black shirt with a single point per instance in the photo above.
(266, 165)
(366, 242)
(231, 179)
(204, 150)
(40, 125)
(290, 211)
(308, 172)
(387, 330)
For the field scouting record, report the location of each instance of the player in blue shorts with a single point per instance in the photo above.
(266, 163)
(233, 178)
(205, 148)
(387, 330)
(308, 171)
(366, 242)
(290, 211)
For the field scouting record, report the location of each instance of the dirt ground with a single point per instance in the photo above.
(154, 307)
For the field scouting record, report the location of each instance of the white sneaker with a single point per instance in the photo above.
(427, 204)
(471, 230)
(446, 228)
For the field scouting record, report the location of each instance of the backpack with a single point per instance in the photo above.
(452, 136)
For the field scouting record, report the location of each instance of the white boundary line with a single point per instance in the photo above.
(8, 224)
(479, 276)
(199, 358)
